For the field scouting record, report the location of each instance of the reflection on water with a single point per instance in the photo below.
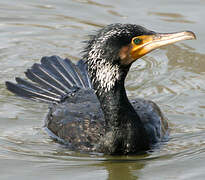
(121, 170)
(173, 77)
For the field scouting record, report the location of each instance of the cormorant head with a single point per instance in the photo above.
(113, 49)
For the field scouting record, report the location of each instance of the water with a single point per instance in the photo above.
(172, 76)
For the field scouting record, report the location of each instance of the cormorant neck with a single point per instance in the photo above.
(117, 109)
(116, 106)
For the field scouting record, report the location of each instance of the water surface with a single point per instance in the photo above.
(173, 77)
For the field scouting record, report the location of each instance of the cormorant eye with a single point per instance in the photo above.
(137, 41)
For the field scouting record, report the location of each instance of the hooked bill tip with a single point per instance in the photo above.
(191, 34)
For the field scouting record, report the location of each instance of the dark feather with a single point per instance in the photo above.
(53, 80)
(23, 91)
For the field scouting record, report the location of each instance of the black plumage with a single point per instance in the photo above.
(89, 109)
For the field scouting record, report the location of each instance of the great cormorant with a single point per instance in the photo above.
(89, 108)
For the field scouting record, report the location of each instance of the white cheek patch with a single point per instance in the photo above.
(107, 75)
(103, 73)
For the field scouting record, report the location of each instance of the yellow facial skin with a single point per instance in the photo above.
(148, 43)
